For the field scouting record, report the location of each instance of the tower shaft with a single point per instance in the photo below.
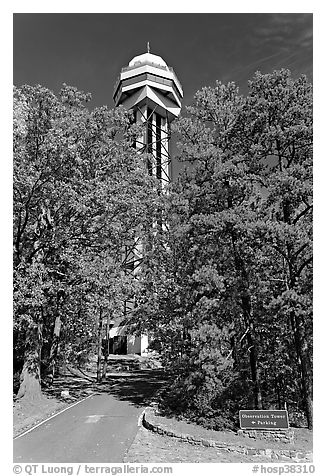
(155, 143)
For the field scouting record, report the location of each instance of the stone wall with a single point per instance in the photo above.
(285, 436)
(275, 454)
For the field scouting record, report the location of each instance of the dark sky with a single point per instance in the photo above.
(88, 50)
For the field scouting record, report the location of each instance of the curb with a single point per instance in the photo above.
(274, 454)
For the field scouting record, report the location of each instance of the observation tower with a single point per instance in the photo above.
(151, 89)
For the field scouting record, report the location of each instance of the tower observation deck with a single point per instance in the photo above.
(151, 89)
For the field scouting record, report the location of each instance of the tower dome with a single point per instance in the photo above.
(148, 58)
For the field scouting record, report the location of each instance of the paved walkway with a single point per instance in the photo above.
(98, 429)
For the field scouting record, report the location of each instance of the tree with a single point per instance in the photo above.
(280, 109)
(80, 191)
(234, 285)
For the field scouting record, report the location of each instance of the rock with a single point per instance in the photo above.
(65, 394)
(206, 443)
(251, 451)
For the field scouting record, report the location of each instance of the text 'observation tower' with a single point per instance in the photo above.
(151, 89)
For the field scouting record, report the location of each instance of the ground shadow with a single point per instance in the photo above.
(137, 387)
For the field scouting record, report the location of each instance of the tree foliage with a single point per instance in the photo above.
(231, 275)
(80, 192)
(225, 286)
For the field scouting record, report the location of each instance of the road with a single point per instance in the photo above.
(99, 429)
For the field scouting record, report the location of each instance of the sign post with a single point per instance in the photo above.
(264, 419)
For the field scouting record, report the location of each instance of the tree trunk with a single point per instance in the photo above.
(253, 354)
(30, 378)
(247, 313)
(255, 372)
(54, 346)
(304, 368)
(278, 393)
(99, 347)
(106, 341)
(300, 340)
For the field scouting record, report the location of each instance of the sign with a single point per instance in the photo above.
(263, 419)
